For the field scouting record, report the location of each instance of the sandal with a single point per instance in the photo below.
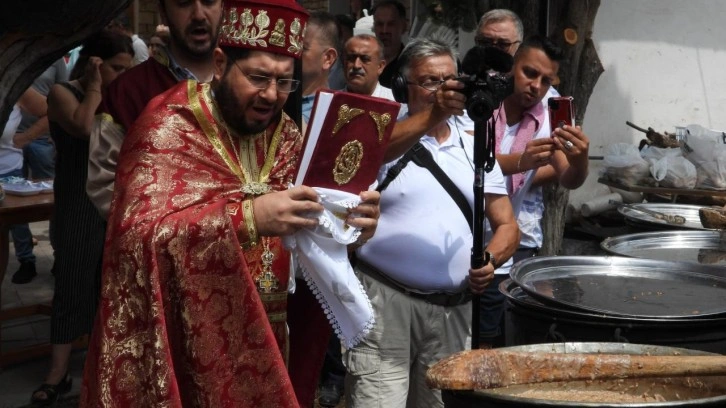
(51, 391)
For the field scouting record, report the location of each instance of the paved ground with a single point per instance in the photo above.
(17, 382)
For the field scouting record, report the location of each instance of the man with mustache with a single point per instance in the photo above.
(194, 28)
(195, 276)
(364, 62)
(389, 25)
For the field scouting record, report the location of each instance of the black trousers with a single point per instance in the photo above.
(491, 306)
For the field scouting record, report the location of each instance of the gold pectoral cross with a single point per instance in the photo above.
(267, 281)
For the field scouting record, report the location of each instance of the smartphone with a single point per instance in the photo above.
(562, 111)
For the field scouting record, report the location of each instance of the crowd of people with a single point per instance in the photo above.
(172, 168)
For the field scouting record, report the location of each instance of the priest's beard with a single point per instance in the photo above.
(233, 112)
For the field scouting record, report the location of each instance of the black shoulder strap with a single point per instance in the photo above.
(395, 170)
(422, 157)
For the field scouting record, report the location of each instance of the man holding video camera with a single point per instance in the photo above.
(416, 270)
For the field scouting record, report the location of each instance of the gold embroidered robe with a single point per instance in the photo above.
(181, 321)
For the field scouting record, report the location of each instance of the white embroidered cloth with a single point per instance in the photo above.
(322, 255)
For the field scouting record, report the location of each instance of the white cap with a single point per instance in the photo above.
(364, 25)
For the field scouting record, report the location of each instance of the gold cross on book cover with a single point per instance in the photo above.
(345, 141)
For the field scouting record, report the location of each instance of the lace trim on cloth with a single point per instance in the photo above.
(323, 259)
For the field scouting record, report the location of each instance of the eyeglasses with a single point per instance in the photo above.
(262, 82)
(431, 86)
(488, 42)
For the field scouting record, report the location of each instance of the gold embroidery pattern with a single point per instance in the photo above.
(345, 115)
(381, 122)
(348, 162)
(296, 34)
(278, 34)
(253, 35)
(229, 24)
(196, 289)
(253, 183)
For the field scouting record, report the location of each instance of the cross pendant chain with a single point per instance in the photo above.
(267, 282)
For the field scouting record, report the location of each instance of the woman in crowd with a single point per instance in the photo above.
(79, 230)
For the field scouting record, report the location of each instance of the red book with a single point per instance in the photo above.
(345, 141)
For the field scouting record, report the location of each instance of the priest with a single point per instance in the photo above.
(195, 276)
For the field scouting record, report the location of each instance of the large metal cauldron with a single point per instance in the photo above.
(678, 392)
(529, 321)
(596, 298)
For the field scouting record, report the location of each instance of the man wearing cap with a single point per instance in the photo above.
(195, 276)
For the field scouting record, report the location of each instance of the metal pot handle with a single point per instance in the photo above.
(618, 338)
(554, 335)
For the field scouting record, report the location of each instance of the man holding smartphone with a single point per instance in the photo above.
(531, 154)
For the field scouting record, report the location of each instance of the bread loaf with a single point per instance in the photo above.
(712, 217)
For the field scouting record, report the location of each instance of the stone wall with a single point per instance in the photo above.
(315, 5)
(148, 18)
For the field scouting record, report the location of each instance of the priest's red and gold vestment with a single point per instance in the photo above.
(187, 317)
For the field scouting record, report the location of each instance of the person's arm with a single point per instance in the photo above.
(37, 129)
(499, 212)
(571, 164)
(74, 117)
(407, 132)
(504, 242)
(33, 102)
(537, 153)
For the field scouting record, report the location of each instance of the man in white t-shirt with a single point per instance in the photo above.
(416, 270)
(531, 155)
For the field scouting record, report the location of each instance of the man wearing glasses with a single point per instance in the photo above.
(416, 269)
(500, 28)
(503, 29)
(195, 277)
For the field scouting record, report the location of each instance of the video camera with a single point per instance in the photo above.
(486, 82)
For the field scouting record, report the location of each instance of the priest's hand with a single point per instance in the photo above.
(284, 212)
(480, 278)
(365, 215)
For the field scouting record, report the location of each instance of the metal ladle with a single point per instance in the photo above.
(669, 218)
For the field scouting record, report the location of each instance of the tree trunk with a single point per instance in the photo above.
(578, 75)
(36, 33)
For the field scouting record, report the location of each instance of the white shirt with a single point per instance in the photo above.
(141, 51)
(11, 157)
(532, 207)
(423, 240)
(383, 92)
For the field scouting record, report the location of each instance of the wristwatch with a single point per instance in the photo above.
(493, 260)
